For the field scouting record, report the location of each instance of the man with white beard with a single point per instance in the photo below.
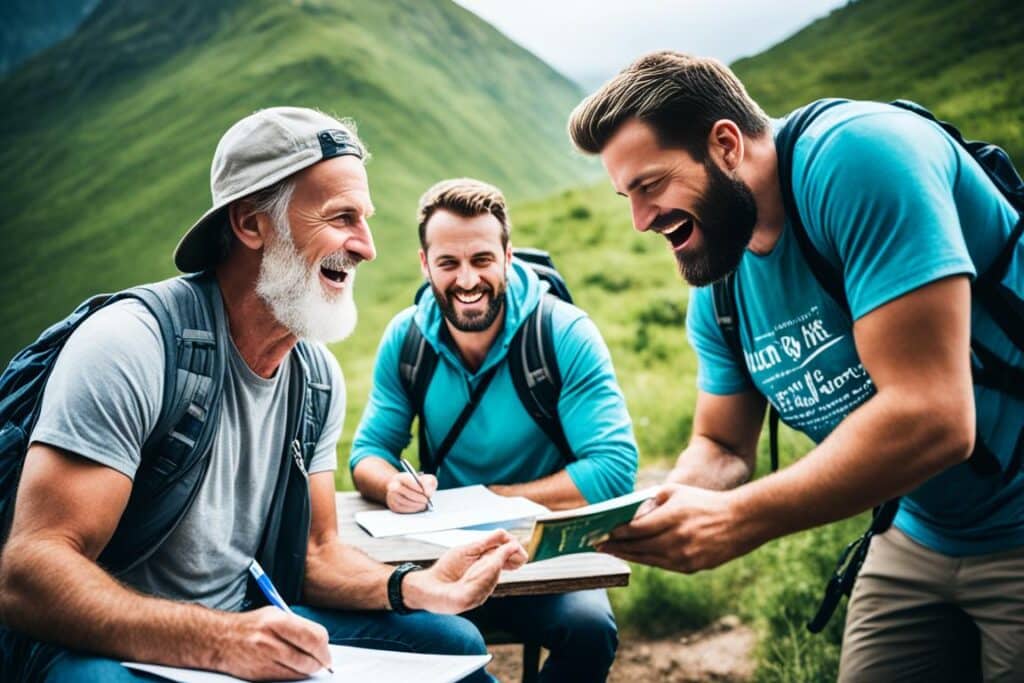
(276, 257)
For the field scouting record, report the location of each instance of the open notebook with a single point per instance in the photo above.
(457, 508)
(354, 664)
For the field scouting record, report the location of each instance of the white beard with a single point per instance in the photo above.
(297, 298)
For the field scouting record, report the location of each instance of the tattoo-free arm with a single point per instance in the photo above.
(340, 576)
(52, 589)
(920, 421)
(337, 575)
(722, 451)
(556, 491)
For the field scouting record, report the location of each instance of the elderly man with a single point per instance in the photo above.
(871, 291)
(278, 250)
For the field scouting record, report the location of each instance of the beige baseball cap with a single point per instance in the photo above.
(258, 151)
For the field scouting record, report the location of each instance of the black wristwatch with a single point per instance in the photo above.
(395, 587)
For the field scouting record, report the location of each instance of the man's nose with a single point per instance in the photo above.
(467, 277)
(361, 243)
(643, 214)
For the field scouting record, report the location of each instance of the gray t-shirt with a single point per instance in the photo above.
(103, 400)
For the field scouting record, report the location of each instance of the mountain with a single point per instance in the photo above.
(106, 138)
(30, 26)
(960, 58)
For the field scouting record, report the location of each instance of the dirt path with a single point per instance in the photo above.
(722, 652)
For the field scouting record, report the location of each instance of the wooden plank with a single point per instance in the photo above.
(558, 575)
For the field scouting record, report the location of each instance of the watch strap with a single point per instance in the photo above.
(395, 599)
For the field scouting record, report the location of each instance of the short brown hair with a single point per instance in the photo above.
(679, 96)
(464, 197)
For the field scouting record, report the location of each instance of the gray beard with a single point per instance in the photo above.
(295, 295)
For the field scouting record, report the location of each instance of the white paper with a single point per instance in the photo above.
(451, 538)
(453, 509)
(354, 664)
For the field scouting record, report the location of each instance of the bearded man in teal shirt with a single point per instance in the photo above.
(907, 219)
(481, 296)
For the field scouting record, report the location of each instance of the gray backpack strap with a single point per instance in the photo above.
(318, 398)
(176, 454)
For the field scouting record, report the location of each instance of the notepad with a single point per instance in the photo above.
(353, 664)
(457, 508)
(580, 529)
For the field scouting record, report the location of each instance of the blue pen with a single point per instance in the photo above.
(273, 597)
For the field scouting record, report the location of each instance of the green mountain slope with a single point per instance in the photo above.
(960, 58)
(106, 139)
(30, 26)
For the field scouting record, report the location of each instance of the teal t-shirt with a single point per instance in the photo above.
(893, 204)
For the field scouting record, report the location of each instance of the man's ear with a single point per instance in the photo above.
(250, 227)
(423, 265)
(508, 255)
(725, 144)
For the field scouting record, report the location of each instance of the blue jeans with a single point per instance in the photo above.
(578, 630)
(417, 632)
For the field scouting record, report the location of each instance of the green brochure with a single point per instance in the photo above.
(580, 529)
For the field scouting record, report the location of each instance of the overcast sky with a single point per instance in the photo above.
(590, 40)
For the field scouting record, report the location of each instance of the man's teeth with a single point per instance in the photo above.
(675, 227)
(470, 299)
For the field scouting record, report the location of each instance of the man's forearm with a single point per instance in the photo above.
(339, 576)
(885, 448)
(54, 593)
(557, 491)
(708, 465)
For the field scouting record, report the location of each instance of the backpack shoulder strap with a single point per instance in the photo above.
(723, 297)
(417, 361)
(533, 366)
(828, 277)
(318, 397)
(175, 456)
(723, 300)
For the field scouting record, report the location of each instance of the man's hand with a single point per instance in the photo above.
(404, 494)
(271, 644)
(684, 529)
(465, 576)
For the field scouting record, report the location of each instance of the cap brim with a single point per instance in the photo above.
(198, 249)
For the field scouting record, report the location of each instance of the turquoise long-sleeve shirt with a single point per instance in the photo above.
(501, 443)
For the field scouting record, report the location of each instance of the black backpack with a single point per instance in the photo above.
(1004, 305)
(531, 359)
(176, 455)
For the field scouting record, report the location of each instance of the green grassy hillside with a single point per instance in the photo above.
(106, 139)
(959, 58)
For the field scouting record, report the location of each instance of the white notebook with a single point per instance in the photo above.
(354, 664)
(456, 508)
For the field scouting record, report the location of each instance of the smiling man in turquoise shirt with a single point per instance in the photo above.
(907, 220)
(481, 296)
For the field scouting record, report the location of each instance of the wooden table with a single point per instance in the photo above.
(558, 575)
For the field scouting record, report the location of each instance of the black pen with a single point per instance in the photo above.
(412, 470)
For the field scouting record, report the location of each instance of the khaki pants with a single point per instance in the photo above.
(902, 620)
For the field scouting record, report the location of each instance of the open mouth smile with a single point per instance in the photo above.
(469, 298)
(333, 278)
(678, 233)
